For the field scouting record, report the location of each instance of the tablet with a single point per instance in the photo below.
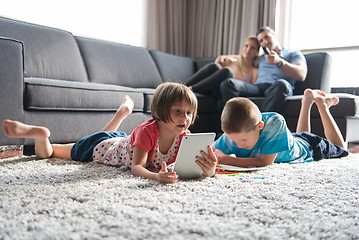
(191, 146)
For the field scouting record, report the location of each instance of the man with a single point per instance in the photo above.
(277, 73)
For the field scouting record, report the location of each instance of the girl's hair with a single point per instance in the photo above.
(241, 67)
(240, 115)
(166, 95)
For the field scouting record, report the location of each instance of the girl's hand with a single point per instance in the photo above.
(208, 162)
(166, 177)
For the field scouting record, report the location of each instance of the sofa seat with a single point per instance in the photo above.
(59, 95)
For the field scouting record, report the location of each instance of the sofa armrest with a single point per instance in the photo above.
(12, 84)
(318, 76)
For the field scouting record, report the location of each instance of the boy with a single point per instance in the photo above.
(260, 139)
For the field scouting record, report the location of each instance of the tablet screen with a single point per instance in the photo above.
(191, 146)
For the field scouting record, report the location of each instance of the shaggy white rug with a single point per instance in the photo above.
(58, 199)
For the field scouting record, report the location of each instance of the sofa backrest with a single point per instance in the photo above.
(173, 68)
(118, 64)
(318, 73)
(318, 76)
(49, 53)
(201, 62)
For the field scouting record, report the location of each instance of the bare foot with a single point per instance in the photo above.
(309, 95)
(15, 129)
(320, 98)
(326, 100)
(126, 107)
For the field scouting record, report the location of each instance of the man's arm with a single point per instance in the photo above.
(297, 71)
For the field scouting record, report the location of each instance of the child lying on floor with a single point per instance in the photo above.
(259, 139)
(147, 151)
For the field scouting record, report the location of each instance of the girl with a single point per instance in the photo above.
(147, 151)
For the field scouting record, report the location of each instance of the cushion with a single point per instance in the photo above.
(118, 64)
(46, 94)
(201, 62)
(49, 53)
(173, 68)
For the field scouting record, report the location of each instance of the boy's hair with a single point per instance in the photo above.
(166, 95)
(240, 115)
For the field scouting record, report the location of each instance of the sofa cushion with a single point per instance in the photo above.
(118, 64)
(46, 94)
(49, 53)
(147, 98)
(173, 68)
(201, 62)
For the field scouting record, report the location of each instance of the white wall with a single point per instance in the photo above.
(324, 23)
(115, 20)
(329, 25)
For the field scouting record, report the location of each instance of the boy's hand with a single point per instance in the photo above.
(208, 162)
(219, 154)
(166, 177)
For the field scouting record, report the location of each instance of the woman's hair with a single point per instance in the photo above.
(241, 67)
(240, 115)
(166, 95)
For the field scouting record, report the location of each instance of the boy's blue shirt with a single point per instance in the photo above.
(274, 138)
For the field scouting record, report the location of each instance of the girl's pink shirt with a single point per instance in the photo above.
(145, 137)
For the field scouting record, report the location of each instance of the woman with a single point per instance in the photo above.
(242, 67)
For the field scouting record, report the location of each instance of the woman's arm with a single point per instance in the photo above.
(255, 75)
(139, 168)
(226, 60)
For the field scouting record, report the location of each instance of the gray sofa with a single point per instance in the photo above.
(73, 85)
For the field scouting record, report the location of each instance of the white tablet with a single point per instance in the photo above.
(191, 146)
